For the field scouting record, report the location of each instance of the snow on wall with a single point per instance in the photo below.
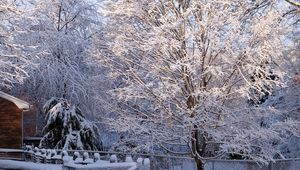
(251, 165)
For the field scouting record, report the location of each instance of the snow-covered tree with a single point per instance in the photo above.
(59, 32)
(286, 99)
(189, 67)
(13, 61)
(67, 128)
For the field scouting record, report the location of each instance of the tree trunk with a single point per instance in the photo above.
(199, 164)
(196, 149)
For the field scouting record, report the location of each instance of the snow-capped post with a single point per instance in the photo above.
(35, 150)
(85, 156)
(37, 155)
(146, 164)
(48, 152)
(55, 157)
(27, 148)
(96, 157)
(64, 153)
(67, 128)
(28, 151)
(128, 158)
(139, 162)
(53, 152)
(66, 159)
(76, 155)
(43, 151)
(48, 159)
(43, 155)
(113, 159)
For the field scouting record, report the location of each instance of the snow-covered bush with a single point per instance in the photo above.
(128, 146)
(67, 128)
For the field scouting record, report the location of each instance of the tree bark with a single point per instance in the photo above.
(196, 149)
(199, 164)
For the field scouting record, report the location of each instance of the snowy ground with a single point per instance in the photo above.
(9, 164)
(105, 165)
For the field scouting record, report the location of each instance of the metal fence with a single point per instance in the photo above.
(285, 164)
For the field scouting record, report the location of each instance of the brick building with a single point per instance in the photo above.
(11, 121)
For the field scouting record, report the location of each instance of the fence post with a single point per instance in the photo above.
(128, 158)
(96, 157)
(85, 156)
(113, 159)
(139, 162)
(146, 164)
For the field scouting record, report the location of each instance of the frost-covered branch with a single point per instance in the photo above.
(297, 4)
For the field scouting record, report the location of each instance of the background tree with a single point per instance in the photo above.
(59, 32)
(67, 128)
(187, 69)
(13, 62)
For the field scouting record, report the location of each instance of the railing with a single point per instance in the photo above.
(73, 159)
(158, 162)
(279, 164)
(12, 154)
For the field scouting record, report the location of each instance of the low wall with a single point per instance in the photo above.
(289, 164)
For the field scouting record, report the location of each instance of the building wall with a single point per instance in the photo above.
(30, 122)
(10, 125)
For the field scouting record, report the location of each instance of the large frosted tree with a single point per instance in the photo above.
(188, 70)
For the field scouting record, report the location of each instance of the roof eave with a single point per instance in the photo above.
(19, 103)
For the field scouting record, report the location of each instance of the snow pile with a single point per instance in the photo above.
(67, 128)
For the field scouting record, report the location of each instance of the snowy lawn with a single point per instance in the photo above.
(9, 164)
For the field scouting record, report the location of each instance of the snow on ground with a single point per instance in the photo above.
(10, 150)
(104, 164)
(9, 164)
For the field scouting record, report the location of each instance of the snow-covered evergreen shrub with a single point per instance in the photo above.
(67, 128)
(128, 146)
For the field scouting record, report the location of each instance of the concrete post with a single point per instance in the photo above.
(146, 164)
(139, 162)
